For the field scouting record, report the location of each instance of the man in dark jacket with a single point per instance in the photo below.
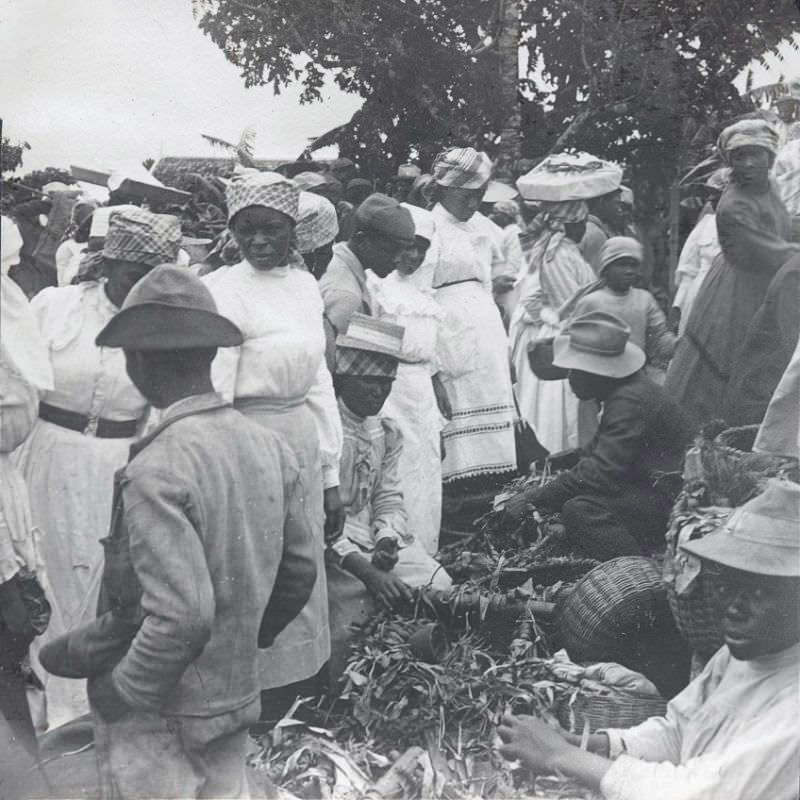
(210, 556)
(611, 501)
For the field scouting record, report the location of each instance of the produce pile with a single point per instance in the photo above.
(402, 725)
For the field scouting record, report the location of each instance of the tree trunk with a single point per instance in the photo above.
(510, 150)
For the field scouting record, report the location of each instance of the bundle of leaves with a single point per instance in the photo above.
(394, 700)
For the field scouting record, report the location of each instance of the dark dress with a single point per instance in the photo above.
(768, 347)
(753, 233)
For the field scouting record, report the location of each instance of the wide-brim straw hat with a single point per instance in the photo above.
(761, 537)
(597, 342)
(169, 309)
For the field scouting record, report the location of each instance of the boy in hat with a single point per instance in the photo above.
(376, 545)
(381, 231)
(732, 732)
(610, 502)
(208, 528)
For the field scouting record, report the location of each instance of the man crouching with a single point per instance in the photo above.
(208, 528)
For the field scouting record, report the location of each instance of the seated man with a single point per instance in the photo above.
(376, 546)
(732, 732)
(609, 501)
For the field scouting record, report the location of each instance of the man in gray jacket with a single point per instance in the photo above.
(209, 557)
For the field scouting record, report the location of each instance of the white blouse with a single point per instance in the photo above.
(279, 312)
(88, 379)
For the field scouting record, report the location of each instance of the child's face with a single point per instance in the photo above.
(622, 274)
(363, 395)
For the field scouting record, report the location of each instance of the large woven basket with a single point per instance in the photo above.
(618, 710)
(608, 608)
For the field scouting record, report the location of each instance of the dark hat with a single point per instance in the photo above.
(169, 309)
(383, 215)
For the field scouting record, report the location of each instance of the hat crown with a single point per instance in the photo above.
(599, 332)
(382, 214)
(772, 518)
(618, 247)
(170, 285)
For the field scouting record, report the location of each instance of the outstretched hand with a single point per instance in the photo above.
(532, 742)
(518, 506)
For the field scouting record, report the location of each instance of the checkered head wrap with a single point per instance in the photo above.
(364, 363)
(462, 168)
(268, 189)
(143, 237)
(317, 222)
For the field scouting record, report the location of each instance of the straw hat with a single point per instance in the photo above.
(597, 342)
(762, 536)
(371, 347)
(169, 309)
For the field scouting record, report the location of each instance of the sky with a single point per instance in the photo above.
(105, 84)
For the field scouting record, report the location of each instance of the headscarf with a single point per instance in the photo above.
(618, 247)
(748, 132)
(317, 222)
(551, 220)
(143, 237)
(424, 224)
(463, 168)
(268, 189)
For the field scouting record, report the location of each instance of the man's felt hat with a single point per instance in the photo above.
(762, 536)
(597, 342)
(169, 309)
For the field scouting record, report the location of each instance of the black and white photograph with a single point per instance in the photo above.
(400, 399)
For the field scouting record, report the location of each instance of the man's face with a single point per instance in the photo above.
(584, 385)
(760, 614)
(363, 395)
(379, 253)
(750, 164)
(122, 277)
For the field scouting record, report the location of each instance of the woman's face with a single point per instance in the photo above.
(264, 236)
(412, 258)
(122, 277)
(461, 203)
(750, 164)
(575, 231)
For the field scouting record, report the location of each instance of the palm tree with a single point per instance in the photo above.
(244, 150)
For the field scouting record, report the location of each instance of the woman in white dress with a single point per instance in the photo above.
(430, 345)
(556, 270)
(86, 425)
(479, 439)
(279, 378)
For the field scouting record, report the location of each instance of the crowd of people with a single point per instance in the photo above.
(186, 443)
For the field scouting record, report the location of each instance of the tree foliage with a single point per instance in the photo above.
(622, 78)
(11, 154)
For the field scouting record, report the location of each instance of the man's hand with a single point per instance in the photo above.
(334, 514)
(104, 698)
(385, 555)
(532, 742)
(387, 588)
(503, 283)
(517, 507)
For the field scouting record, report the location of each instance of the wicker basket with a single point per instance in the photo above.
(692, 606)
(609, 607)
(620, 710)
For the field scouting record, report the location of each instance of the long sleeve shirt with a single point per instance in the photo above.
(207, 509)
(369, 484)
(640, 310)
(732, 733)
(642, 432)
(279, 312)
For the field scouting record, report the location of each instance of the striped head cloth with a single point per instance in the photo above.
(268, 189)
(462, 168)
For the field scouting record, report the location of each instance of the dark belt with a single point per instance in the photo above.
(455, 283)
(101, 428)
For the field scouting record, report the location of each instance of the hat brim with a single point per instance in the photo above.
(156, 326)
(619, 366)
(754, 557)
(343, 340)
